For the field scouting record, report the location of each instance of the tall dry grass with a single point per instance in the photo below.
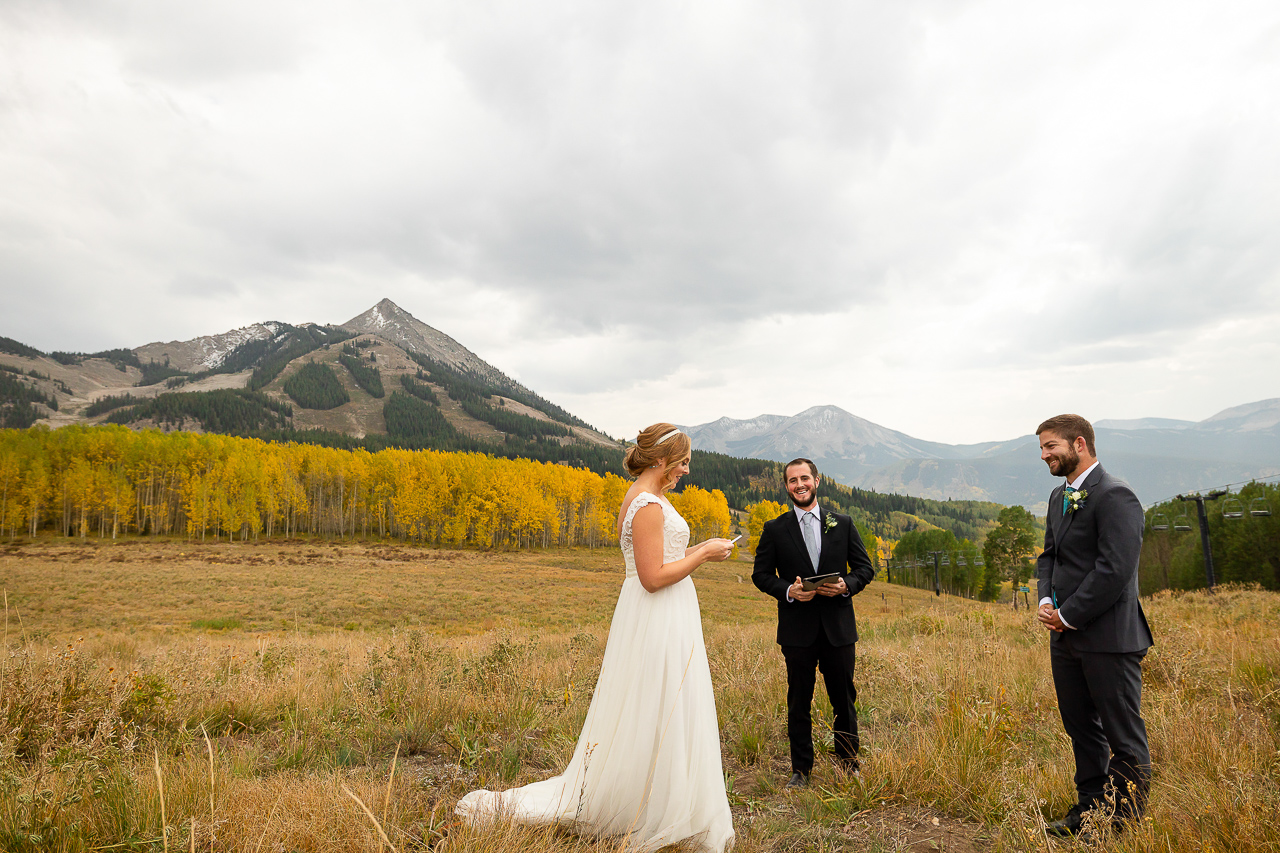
(285, 740)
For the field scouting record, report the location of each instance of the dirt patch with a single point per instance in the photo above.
(905, 828)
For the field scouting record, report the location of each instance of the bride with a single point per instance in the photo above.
(647, 764)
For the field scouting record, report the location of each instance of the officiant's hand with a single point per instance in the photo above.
(796, 592)
(831, 590)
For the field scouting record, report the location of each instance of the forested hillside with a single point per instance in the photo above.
(19, 400)
(315, 386)
(228, 411)
(750, 481)
(468, 386)
(270, 357)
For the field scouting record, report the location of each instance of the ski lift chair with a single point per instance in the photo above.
(1159, 521)
(1259, 508)
(1232, 508)
(1182, 523)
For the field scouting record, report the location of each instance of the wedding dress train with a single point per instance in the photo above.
(647, 765)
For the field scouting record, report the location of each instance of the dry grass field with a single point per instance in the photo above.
(320, 697)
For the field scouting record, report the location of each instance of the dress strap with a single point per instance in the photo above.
(641, 500)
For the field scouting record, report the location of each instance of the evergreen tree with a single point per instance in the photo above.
(422, 392)
(316, 387)
(13, 347)
(102, 405)
(367, 377)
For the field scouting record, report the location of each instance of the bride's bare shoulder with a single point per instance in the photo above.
(632, 493)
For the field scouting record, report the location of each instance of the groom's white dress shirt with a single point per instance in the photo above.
(1074, 484)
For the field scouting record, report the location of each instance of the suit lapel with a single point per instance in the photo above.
(1064, 518)
(823, 538)
(1094, 478)
(1090, 483)
(793, 527)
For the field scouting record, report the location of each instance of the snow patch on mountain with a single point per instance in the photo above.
(207, 351)
(395, 325)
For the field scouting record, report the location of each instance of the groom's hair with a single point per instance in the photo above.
(813, 469)
(1070, 427)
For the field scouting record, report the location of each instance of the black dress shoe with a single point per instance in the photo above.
(798, 780)
(1068, 825)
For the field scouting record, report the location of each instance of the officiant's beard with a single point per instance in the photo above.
(813, 498)
(1062, 464)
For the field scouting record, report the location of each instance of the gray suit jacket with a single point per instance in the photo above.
(1090, 567)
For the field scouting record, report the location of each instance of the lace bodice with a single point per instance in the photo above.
(675, 531)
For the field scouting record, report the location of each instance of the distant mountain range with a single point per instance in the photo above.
(480, 405)
(1159, 457)
(237, 382)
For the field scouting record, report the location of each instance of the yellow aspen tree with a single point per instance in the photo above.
(10, 490)
(757, 515)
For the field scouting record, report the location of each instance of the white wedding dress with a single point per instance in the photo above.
(647, 765)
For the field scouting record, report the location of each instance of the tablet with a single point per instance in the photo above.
(819, 580)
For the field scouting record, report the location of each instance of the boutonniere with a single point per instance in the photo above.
(829, 523)
(1075, 500)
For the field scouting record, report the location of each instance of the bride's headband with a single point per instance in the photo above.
(671, 434)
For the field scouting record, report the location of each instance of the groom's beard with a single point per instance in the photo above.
(1060, 465)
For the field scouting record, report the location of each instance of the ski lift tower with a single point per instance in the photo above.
(1204, 529)
(937, 577)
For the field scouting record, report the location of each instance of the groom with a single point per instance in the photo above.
(816, 628)
(1088, 586)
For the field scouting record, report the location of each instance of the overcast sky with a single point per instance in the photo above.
(951, 218)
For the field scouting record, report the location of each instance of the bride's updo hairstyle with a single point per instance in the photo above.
(650, 449)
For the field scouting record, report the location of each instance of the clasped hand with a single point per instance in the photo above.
(1049, 618)
(797, 592)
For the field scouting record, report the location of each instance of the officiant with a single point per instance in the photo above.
(816, 625)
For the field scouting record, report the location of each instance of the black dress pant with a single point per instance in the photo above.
(1100, 700)
(836, 664)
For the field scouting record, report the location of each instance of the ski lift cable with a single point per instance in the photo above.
(1275, 477)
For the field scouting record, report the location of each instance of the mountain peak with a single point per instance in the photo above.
(1260, 415)
(379, 316)
(395, 325)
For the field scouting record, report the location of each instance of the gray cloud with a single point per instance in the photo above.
(203, 286)
(563, 187)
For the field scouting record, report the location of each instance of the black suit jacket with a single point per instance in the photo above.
(1090, 566)
(781, 557)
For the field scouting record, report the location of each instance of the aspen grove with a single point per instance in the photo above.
(109, 481)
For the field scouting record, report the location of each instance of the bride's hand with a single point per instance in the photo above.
(717, 550)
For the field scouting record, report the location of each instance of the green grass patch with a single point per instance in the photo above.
(218, 623)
